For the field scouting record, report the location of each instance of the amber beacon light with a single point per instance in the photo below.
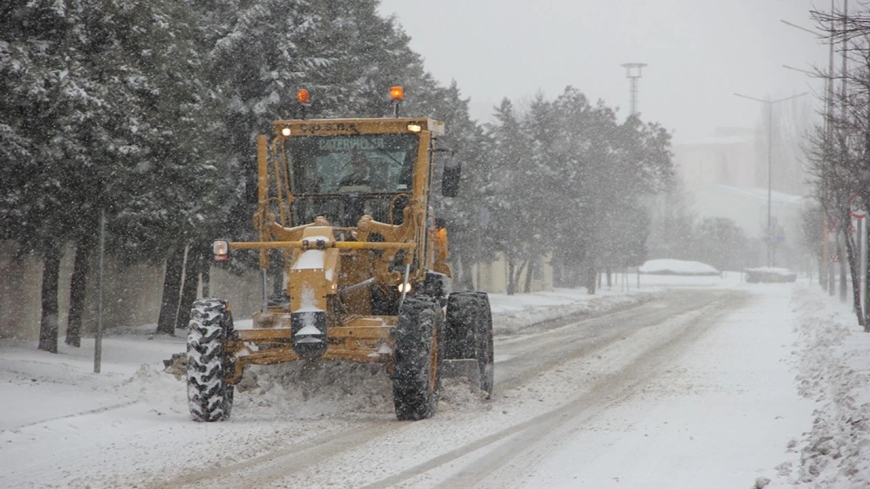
(397, 94)
(302, 96)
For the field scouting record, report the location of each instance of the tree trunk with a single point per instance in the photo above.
(511, 290)
(591, 278)
(609, 278)
(840, 254)
(77, 289)
(466, 278)
(853, 270)
(48, 323)
(528, 285)
(206, 275)
(171, 291)
(823, 277)
(192, 266)
(866, 276)
(519, 274)
(557, 272)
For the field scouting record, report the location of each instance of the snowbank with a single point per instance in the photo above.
(677, 267)
(770, 275)
(835, 372)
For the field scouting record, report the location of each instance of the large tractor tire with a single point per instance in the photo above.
(468, 333)
(209, 396)
(416, 359)
(485, 351)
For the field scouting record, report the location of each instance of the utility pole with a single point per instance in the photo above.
(843, 155)
(770, 230)
(829, 145)
(633, 73)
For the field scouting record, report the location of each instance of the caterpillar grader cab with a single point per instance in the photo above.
(343, 205)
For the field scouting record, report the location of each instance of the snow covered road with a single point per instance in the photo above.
(718, 413)
(692, 389)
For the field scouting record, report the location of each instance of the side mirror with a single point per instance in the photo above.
(450, 179)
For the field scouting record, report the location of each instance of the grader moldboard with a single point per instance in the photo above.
(345, 203)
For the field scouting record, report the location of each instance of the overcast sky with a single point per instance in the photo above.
(699, 52)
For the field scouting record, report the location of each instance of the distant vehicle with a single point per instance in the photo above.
(769, 275)
(665, 266)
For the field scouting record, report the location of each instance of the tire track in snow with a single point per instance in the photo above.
(529, 359)
(278, 464)
(506, 465)
(522, 441)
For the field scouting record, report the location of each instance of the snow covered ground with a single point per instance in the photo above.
(778, 389)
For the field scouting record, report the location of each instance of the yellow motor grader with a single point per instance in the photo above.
(344, 204)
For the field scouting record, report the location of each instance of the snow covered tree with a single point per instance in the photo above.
(49, 94)
(513, 204)
(840, 151)
(576, 177)
(721, 243)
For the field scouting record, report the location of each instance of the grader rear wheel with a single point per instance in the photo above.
(485, 351)
(468, 334)
(415, 360)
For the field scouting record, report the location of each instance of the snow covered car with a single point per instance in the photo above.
(769, 275)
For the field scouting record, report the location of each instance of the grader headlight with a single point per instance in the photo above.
(404, 288)
(285, 132)
(415, 127)
(221, 250)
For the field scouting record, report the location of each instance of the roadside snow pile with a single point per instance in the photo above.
(770, 275)
(153, 387)
(834, 371)
(677, 267)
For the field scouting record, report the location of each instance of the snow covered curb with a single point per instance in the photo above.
(835, 372)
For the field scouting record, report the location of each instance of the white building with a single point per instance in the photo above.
(726, 176)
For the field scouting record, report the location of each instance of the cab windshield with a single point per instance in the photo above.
(363, 163)
(345, 177)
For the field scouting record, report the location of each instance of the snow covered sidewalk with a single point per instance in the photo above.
(835, 372)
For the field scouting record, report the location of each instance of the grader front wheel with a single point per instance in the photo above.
(209, 396)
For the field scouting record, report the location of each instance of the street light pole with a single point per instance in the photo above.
(770, 104)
